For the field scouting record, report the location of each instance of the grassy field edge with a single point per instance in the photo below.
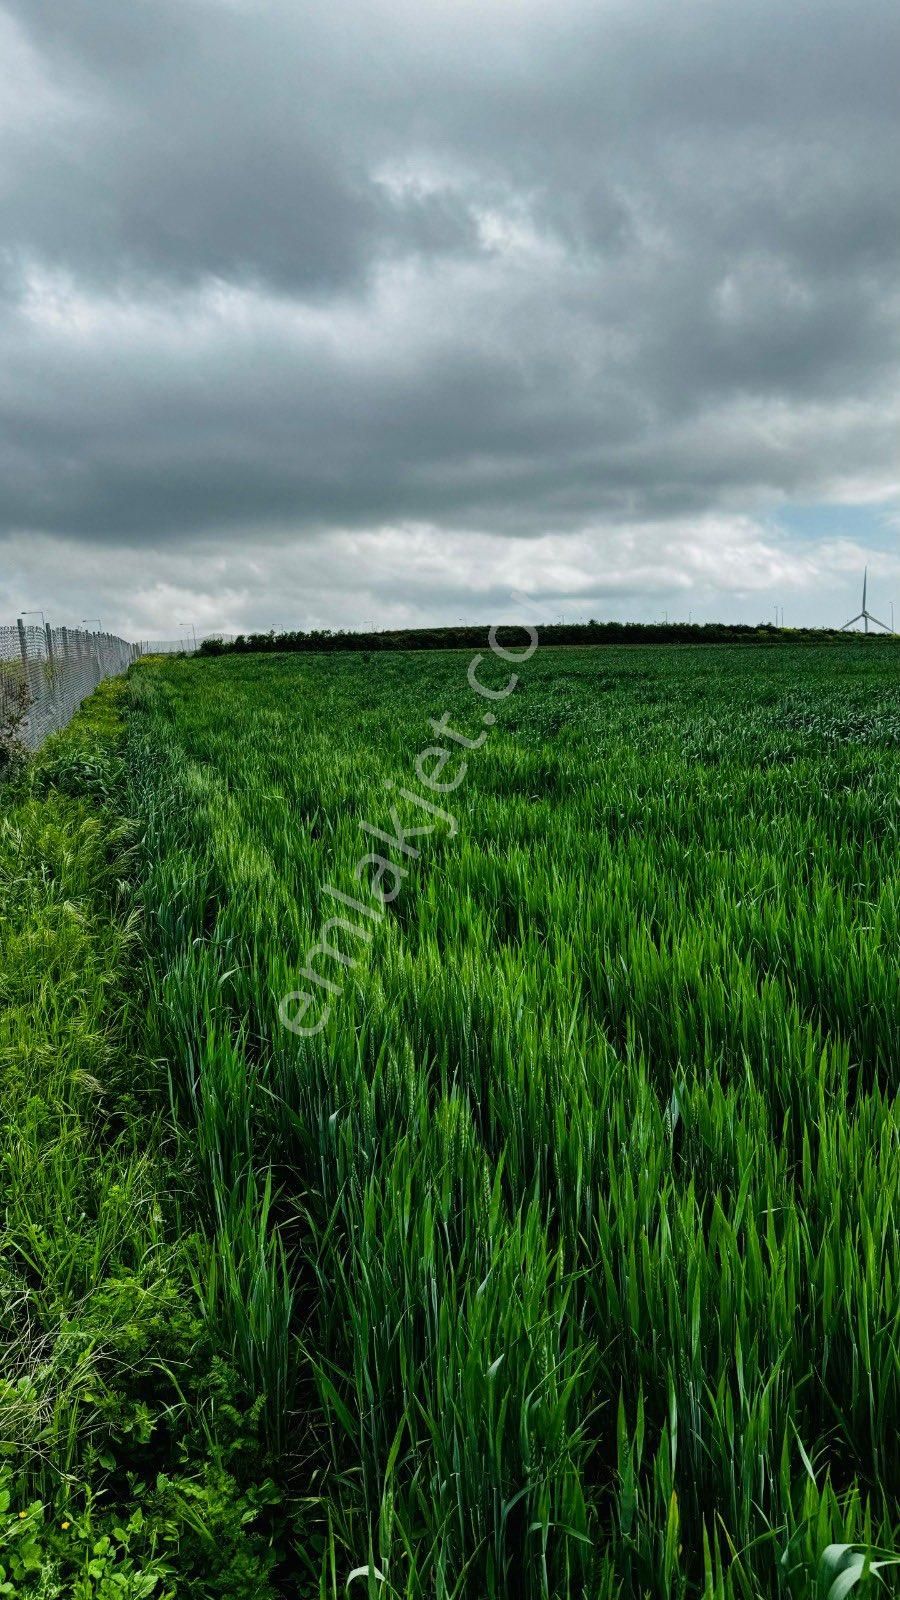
(130, 1455)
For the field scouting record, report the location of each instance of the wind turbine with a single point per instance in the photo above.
(865, 616)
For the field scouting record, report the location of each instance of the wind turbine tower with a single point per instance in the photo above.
(865, 616)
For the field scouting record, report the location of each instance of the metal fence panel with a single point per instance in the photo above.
(185, 645)
(165, 647)
(47, 672)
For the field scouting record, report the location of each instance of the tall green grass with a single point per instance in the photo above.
(564, 1259)
(129, 1458)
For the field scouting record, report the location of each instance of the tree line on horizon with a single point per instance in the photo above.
(470, 636)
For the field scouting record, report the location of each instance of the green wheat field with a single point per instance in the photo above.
(552, 1249)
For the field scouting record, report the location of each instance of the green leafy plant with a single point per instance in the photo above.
(566, 1253)
(131, 1461)
(15, 699)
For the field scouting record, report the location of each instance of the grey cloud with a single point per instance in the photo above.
(300, 272)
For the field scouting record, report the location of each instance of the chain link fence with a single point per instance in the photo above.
(187, 644)
(166, 647)
(45, 673)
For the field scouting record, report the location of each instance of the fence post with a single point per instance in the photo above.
(29, 667)
(53, 683)
(67, 674)
(26, 671)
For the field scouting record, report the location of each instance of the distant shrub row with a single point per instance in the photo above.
(558, 633)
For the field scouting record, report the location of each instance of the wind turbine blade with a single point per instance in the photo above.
(865, 581)
(879, 623)
(852, 622)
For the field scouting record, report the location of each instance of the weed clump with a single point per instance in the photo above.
(15, 700)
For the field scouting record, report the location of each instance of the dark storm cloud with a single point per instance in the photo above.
(507, 269)
(205, 141)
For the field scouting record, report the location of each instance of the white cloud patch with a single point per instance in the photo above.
(444, 293)
(734, 568)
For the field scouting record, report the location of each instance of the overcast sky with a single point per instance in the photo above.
(324, 315)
